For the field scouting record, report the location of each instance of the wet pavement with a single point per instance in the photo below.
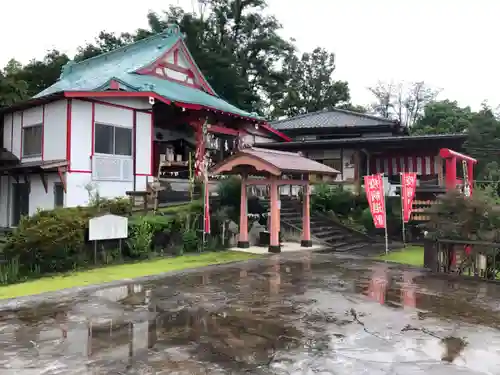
(301, 313)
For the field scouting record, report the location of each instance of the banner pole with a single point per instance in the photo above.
(385, 217)
(403, 193)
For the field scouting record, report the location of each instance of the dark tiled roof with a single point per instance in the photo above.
(290, 161)
(331, 119)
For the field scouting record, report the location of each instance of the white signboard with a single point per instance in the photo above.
(108, 227)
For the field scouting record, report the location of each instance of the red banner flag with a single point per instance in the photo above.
(374, 186)
(408, 186)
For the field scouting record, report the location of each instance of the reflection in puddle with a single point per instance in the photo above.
(282, 316)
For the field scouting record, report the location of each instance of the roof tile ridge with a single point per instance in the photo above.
(298, 117)
(280, 152)
(360, 114)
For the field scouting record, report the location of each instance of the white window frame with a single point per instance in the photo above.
(114, 126)
(125, 162)
(23, 133)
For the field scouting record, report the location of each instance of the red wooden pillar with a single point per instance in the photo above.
(451, 173)
(274, 242)
(243, 239)
(306, 218)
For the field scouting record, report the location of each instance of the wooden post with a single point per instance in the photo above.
(243, 239)
(357, 170)
(274, 242)
(306, 219)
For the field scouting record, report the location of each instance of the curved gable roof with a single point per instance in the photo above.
(273, 161)
(94, 72)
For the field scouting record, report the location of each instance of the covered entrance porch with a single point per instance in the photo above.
(259, 166)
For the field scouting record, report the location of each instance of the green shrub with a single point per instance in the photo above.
(141, 238)
(332, 198)
(117, 206)
(456, 217)
(367, 220)
(190, 241)
(50, 240)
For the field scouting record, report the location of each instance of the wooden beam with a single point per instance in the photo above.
(62, 177)
(217, 129)
(176, 68)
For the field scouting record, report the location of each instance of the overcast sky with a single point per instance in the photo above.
(452, 45)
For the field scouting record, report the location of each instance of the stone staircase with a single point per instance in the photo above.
(324, 230)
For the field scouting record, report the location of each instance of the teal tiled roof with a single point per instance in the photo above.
(95, 73)
(180, 93)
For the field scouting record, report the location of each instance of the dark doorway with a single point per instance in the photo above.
(20, 202)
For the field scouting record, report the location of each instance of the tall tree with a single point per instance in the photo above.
(400, 101)
(443, 117)
(37, 75)
(12, 89)
(105, 42)
(309, 85)
(236, 46)
(483, 143)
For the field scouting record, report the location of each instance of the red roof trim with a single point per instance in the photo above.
(111, 94)
(132, 94)
(269, 128)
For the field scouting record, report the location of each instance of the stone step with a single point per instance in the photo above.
(329, 234)
(351, 246)
(293, 220)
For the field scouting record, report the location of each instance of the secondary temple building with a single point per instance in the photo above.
(359, 144)
(112, 124)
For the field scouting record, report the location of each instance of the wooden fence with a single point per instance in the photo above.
(478, 259)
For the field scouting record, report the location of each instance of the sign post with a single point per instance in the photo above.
(408, 186)
(375, 193)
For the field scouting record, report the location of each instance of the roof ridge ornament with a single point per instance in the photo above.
(66, 69)
(172, 29)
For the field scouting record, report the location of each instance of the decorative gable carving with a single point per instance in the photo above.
(177, 65)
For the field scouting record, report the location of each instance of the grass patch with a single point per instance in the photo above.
(412, 255)
(119, 272)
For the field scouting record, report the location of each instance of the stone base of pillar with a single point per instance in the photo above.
(274, 249)
(306, 243)
(243, 244)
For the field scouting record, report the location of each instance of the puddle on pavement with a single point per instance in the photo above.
(300, 314)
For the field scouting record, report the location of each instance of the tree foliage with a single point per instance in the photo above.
(457, 217)
(237, 47)
(443, 117)
(309, 85)
(483, 143)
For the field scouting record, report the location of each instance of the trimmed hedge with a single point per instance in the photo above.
(57, 240)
